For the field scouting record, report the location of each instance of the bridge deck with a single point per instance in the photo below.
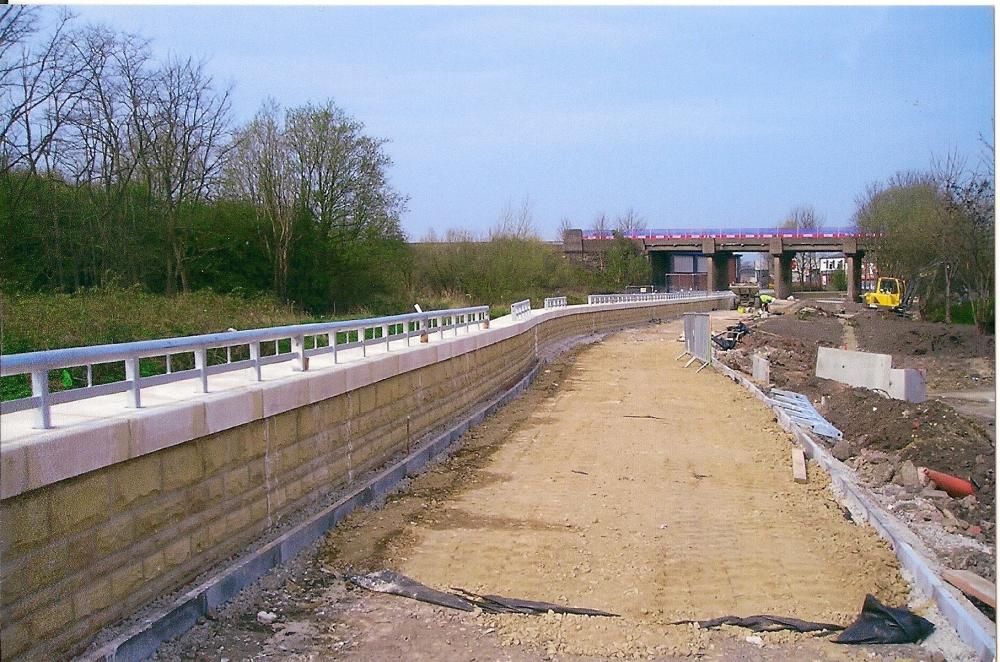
(621, 482)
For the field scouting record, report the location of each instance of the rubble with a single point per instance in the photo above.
(887, 441)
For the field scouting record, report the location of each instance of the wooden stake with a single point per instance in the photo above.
(799, 465)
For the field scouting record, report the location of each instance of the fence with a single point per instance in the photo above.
(657, 296)
(304, 341)
(555, 302)
(520, 309)
(697, 339)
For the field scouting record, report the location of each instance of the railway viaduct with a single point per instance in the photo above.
(718, 245)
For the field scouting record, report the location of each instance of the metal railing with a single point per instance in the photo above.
(304, 341)
(520, 309)
(555, 302)
(658, 296)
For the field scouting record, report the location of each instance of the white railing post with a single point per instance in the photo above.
(299, 349)
(132, 375)
(40, 389)
(333, 345)
(201, 364)
(255, 357)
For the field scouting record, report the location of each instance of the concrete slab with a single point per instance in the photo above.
(907, 384)
(761, 369)
(861, 369)
(231, 408)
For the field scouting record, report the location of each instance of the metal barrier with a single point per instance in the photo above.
(697, 339)
(520, 309)
(323, 337)
(555, 302)
(658, 296)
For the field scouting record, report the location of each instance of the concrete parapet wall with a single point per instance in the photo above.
(101, 518)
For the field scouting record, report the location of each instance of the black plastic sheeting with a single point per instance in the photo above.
(765, 623)
(387, 581)
(878, 624)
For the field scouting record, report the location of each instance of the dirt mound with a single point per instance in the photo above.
(929, 434)
(954, 356)
(888, 334)
(810, 327)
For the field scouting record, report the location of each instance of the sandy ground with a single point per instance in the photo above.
(621, 481)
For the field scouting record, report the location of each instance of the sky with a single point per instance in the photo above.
(693, 117)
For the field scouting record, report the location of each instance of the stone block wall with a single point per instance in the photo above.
(84, 552)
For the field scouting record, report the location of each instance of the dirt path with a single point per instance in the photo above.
(621, 482)
(650, 491)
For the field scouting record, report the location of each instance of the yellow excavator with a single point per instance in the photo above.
(888, 293)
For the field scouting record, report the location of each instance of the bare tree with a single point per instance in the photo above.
(804, 217)
(186, 140)
(262, 172)
(564, 225)
(630, 223)
(103, 141)
(600, 226)
(515, 222)
(39, 87)
(342, 174)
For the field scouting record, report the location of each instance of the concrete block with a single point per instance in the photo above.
(125, 578)
(326, 384)
(153, 430)
(79, 502)
(237, 481)
(15, 639)
(94, 596)
(160, 513)
(285, 395)
(907, 384)
(229, 409)
(76, 451)
(761, 369)
(414, 358)
(177, 552)
(357, 374)
(52, 618)
(182, 466)
(384, 367)
(135, 479)
(24, 521)
(13, 469)
(861, 369)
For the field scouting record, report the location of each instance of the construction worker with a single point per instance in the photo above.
(765, 302)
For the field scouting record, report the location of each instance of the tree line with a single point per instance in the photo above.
(116, 168)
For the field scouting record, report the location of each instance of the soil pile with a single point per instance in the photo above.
(929, 434)
(955, 356)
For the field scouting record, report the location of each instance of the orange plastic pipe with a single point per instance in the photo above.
(954, 486)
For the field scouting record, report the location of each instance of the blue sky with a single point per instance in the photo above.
(703, 117)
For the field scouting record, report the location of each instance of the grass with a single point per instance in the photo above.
(32, 322)
(40, 321)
